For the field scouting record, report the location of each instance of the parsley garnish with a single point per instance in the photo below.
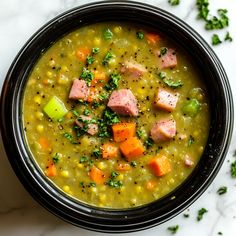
(162, 75)
(133, 163)
(113, 182)
(107, 58)
(114, 174)
(190, 140)
(186, 215)
(75, 113)
(110, 117)
(95, 50)
(90, 60)
(201, 212)
(55, 158)
(215, 40)
(233, 169)
(107, 34)
(218, 23)
(83, 159)
(203, 10)
(163, 51)
(70, 138)
(140, 35)
(173, 229)
(87, 76)
(222, 190)
(86, 112)
(92, 184)
(173, 2)
(113, 82)
(149, 142)
(139, 133)
(228, 37)
(169, 81)
(97, 152)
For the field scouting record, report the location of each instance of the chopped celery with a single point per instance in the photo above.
(55, 108)
(191, 107)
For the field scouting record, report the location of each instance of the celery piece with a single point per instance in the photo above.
(55, 108)
(191, 107)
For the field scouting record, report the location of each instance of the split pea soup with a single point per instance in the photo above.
(116, 115)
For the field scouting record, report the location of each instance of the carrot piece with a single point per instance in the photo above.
(51, 171)
(123, 167)
(160, 165)
(152, 37)
(44, 144)
(150, 185)
(97, 175)
(123, 131)
(99, 78)
(82, 53)
(132, 148)
(109, 150)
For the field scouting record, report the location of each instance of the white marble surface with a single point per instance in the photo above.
(20, 215)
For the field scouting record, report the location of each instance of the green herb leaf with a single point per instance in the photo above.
(162, 75)
(95, 50)
(83, 159)
(139, 133)
(174, 2)
(203, 9)
(92, 184)
(110, 117)
(97, 152)
(114, 183)
(70, 138)
(218, 23)
(163, 51)
(228, 37)
(215, 40)
(56, 158)
(75, 113)
(107, 58)
(173, 84)
(113, 82)
(148, 143)
(186, 215)
(133, 163)
(90, 60)
(201, 212)
(173, 229)
(86, 112)
(233, 169)
(222, 190)
(107, 34)
(190, 140)
(140, 35)
(114, 174)
(87, 76)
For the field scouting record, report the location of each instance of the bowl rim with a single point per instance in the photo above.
(85, 216)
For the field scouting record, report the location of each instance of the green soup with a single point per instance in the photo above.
(116, 115)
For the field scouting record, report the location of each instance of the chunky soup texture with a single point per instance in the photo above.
(116, 115)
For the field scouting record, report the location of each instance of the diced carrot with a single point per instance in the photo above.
(160, 165)
(97, 175)
(152, 37)
(123, 167)
(93, 94)
(123, 131)
(99, 78)
(109, 150)
(44, 144)
(69, 115)
(82, 53)
(150, 185)
(51, 170)
(132, 148)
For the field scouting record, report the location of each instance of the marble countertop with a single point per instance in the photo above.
(20, 215)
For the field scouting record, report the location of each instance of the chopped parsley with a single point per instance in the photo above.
(83, 159)
(115, 183)
(70, 138)
(233, 169)
(190, 140)
(203, 9)
(90, 60)
(133, 163)
(75, 113)
(218, 23)
(228, 37)
(186, 215)
(222, 190)
(97, 152)
(113, 82)
(163, 51)
(86, 112)
(173, 229)
(114, 174)
(95, 50)
(56, 158)
(107, 34)
(92, 184)
(201, 212)
(139, 133)
(162, 75)
(148, 143)
(174, 2)
(107, 58)
(169, 81)
(110, 117)
(140, 35)
(87, 76)
(215, 40)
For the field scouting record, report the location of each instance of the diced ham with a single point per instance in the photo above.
(79, 90)
(123, 102)
(168, 60)
(163, 130)
(188, 162)
(92, 128)
(165, 100)
(133, 69)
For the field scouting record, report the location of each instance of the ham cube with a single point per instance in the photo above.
(123, 102)
(163, 130)
(133, 69)
(92, 128)
(188, 162)
(79, 90)
(168, 60)
(165, 100)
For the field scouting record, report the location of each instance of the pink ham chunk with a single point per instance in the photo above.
(133, 69)
(92, 128)
(165, 100)
(188, 162)
(123, 102)
(79, 90)
(163, 130)
(168, 60)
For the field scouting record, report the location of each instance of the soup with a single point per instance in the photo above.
(116, 115)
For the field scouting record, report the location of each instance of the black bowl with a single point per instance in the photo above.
(108, 220)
